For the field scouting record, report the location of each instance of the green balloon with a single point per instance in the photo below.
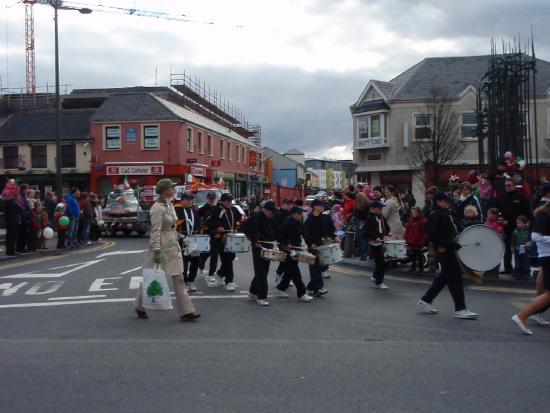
(64, 221)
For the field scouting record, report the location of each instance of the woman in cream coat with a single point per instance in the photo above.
(391, 210)
(164, 249)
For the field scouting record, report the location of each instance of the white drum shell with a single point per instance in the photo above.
(305, 257)
(236, 243)
(273, 255)
(395, 249)
(482, 248)
(201, 241)
(330, 254)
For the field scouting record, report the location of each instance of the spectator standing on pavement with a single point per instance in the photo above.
(471, 217)
(392, 213)
(97, 220)
(486, 194)
(467, 198)
(520, 244)
(338, 218)
(85, 220)
(60, 229)
(49, 206)
(511, 204)
(416, 238)
(13, 210)
(23, 238)
(362, 205)
(72, 211)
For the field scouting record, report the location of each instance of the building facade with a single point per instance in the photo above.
(390, 117)
(343, 173)
(288, 169)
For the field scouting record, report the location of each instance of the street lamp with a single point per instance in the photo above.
(58, 5)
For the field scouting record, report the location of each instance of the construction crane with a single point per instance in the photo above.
(30, 59)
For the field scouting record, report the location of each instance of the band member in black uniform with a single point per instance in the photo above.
(224, 218)
(290, 234)
(283, 213)
(317, 229)
(442, 232)
(375, 229)
(261, 227)
(188, 224)
(204, 214)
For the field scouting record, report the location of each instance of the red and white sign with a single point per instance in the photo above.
(135, 170)
(197, 171)
(215, 163)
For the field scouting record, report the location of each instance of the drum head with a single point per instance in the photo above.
(482, 249)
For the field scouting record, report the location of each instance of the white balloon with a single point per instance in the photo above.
(48, 233)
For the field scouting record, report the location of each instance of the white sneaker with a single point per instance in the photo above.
(427, 307)
(381, 286)
(325, 275)
(306, 298)
(465, 315)
(219, 281)
(230, 287)
(252, 297)
(521, 326)
(537, 319)
(263, 302)
(211, 282)
(281, 294)
(191, 287)
(291, 284)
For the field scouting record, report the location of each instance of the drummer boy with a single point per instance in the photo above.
(375, 229)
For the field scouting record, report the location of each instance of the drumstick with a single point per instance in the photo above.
(476, 244)
(297, 248)
(267, 242)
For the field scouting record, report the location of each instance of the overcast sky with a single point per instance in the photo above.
(295, 66)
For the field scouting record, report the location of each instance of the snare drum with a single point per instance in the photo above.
(273, 255)
(395, 250)
(201, 241)
(305, 257)
(330, 254)
(236, 243)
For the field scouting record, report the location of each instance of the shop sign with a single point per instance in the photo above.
(135, 170)
(131, 135)
(215, 163)
(197, 171)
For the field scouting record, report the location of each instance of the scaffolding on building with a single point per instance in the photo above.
(200, 97)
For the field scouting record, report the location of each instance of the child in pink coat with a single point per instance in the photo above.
(338, 217)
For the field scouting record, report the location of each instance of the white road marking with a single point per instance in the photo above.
(10, 288)
(51, 287)
(129, 271)
(106, 300)
(123, 252)
(76, 297)
(100, 282)
(135, 282)
(73, 268)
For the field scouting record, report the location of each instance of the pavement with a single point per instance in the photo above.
(72, 343)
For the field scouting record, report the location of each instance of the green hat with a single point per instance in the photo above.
(163, 185)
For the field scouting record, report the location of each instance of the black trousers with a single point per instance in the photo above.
(450, 275)
(226, 258)
(259, 287)
(12, 233)
(316, 277)
(23, 236)
(377, 252)
(508, 232)
(190, 268)
(61, 237)
(94, 231)
(292, 273)
(281, 268)
(213, 254)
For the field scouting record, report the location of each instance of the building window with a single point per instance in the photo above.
(112, 137)
(469, 125)
(375, 126)
(189, 140)
(243, 155)
(68, 156)
(151, 137)
(260, 163)
(210, 147)
(363, 125)
(201, 144)
(222, 143)
(229, 156)
(39, 156)
(423, 127)
(237, 153)
(11, 157)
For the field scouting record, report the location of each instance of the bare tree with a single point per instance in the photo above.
(438, 143)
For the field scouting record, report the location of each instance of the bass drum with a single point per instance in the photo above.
(482, 248)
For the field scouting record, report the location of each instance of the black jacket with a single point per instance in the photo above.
(220, 217)
(14, 211)
(371, 229)
(441, 229)
(291, 232)
(190, 213)
(461, 206)
(511, 205)
(318, 227)
(260, 228)
(282, 216)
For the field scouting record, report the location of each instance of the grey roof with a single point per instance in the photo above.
(450, 76)
(371, 106)
(132, 107)
(293, 152)
(279, 160)
(41, 126)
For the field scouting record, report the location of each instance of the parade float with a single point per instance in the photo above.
(123, 213)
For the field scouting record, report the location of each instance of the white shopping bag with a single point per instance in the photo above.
(156, 294)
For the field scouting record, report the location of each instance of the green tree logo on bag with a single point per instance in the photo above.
(154, 290)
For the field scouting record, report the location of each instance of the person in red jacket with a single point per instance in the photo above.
(60, 229)
(416, 238)
(349, 206)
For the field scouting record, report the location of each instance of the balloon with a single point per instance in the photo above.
(48, 233)
(64, 221)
